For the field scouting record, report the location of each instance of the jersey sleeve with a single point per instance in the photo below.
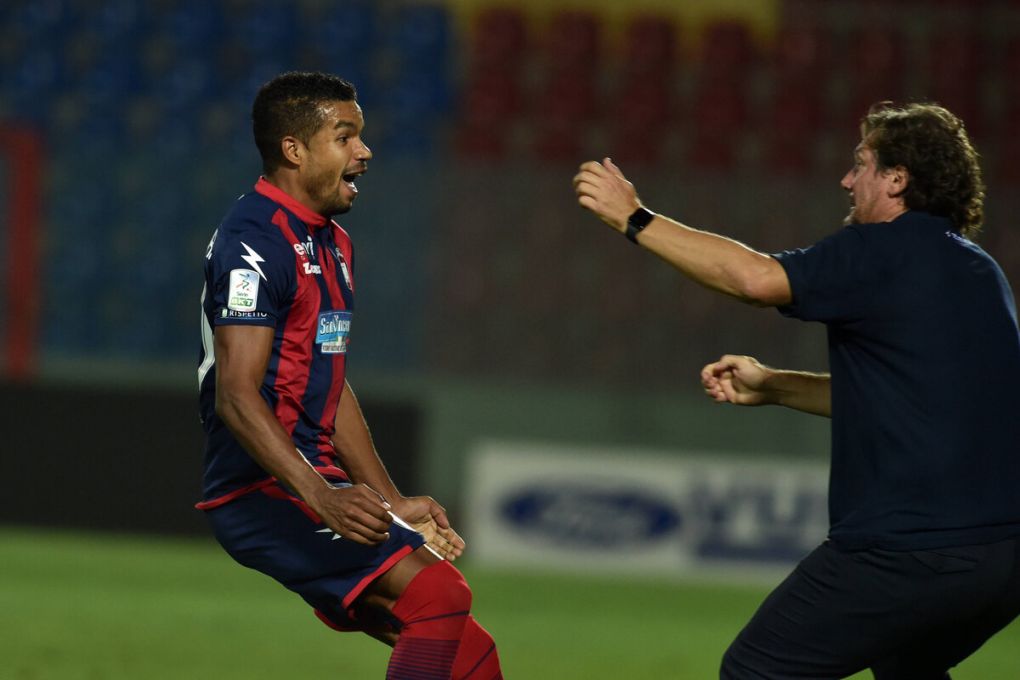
(838, 278)
(252, 277)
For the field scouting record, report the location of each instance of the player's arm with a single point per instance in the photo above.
(714, 261)
(743, 380)
(359, 458)
(242, 356)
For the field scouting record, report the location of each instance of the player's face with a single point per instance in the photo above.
(868, 188)
(336, 157)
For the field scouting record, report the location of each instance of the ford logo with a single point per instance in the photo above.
(587, 517)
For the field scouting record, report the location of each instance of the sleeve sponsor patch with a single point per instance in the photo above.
(243, 292)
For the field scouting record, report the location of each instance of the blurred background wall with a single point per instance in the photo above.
(490, 305)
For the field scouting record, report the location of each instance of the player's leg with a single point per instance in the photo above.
(438, 636)
(796, 629)
(985, 602)
(833, 616)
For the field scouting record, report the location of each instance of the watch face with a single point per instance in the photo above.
(641, 218)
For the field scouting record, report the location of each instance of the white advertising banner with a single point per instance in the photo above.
(642, 512)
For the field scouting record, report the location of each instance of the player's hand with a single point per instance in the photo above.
(602, 188)
(354, 512)
(428, 518)
(737, 380)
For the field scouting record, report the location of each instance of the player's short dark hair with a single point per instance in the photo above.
(291, 104)
(932, 144)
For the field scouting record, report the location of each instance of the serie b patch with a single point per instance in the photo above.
(243, 293)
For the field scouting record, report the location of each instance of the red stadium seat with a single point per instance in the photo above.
(719, 107)
(573, 41)
(493, 97)
(955, 55)
(649, 47)
(876, 56)
(792, 121)
(639, 113)
(491, 102)
(557, 140)
(719, 112)
(726, 49)
(499, 39)
(566, 96)
(803, 51)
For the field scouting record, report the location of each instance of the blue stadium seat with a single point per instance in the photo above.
(195, 26)
(335, 33)
(268, 29)
(420, 34)
(33, 82)
(185, 87)
(41, 20)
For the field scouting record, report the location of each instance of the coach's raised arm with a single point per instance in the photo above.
(712, 260)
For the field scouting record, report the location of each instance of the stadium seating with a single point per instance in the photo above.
(172, 83)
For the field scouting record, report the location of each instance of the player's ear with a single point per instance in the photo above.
(899, 178)
(293, 150)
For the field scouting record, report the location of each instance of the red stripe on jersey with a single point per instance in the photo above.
(295, 351)
(330, 271)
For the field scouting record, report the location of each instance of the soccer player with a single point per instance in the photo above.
(922, 560)
(293, 486)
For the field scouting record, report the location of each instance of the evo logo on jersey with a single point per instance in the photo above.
(243, 293)
(333, 331)
(305, 252)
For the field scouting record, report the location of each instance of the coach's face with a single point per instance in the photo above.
(875, 194)
(336, 157)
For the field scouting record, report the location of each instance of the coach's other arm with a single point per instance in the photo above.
(714, 261)
(743, 380)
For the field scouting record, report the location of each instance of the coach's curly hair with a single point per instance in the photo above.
(933, 146)
(291, 104)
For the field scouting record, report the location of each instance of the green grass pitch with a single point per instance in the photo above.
(99, 607)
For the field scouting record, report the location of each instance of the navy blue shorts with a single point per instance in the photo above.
(910, 614)
(274, 532)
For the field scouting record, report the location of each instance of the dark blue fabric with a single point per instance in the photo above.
(904, 614)
(924, 353)
(274, 536)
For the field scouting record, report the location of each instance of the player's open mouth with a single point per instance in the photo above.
(349, 178)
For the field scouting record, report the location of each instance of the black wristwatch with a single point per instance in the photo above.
(638, 221)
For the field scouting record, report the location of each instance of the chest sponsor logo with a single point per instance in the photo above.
(333, 331)
(243, 291)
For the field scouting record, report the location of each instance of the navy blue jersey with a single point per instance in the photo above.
(924, 353)
(273, 262)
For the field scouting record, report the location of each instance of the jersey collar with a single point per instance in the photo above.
(277, 195)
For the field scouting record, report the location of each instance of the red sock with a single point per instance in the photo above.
(433, 610)
(477, 658)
